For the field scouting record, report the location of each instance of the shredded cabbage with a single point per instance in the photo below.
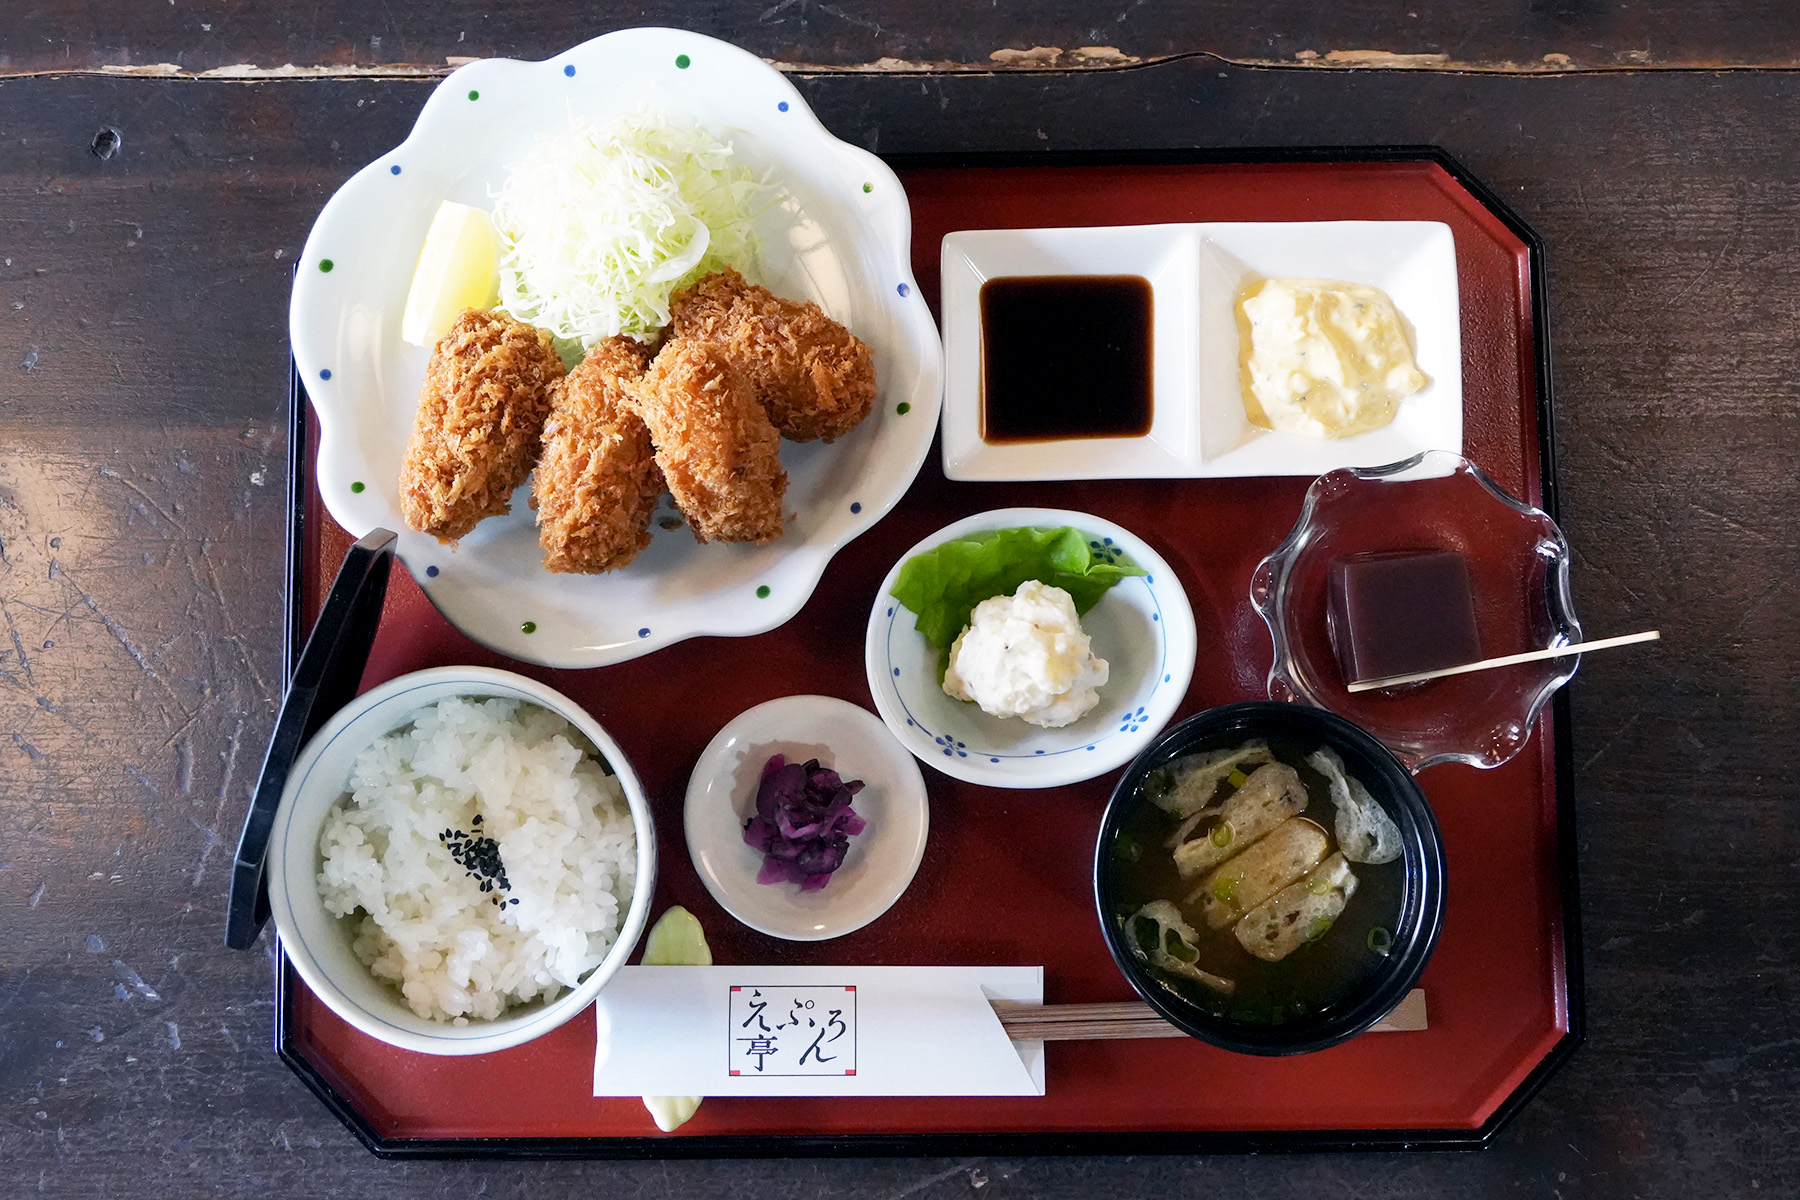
(600, 226)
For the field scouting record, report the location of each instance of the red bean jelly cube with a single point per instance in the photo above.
(1401, 612)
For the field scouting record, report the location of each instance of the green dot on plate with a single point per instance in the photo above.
(528, 627)
(868, 187)
(903, 408)
(325, 264)
(682, 61)
(358, 486)
(762, 593)
(474, 95)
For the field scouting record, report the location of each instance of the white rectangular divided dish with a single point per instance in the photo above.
(1196, 273)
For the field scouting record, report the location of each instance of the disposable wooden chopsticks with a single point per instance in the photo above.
(1134, 1019)
(1506, 660)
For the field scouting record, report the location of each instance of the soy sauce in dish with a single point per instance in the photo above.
(1066, 356)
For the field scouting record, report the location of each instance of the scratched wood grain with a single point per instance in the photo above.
(141, 378)
(1498, 35)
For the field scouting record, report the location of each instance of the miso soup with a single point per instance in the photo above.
(1316, 889)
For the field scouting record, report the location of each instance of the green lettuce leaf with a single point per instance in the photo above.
(942, 586)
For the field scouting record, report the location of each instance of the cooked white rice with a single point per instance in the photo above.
(474, 769)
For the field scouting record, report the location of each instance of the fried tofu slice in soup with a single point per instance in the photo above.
(1286, 853)
(478, 425)
(815, 379)
(597, 483)
(1299, 913)
(1272, 794)
(718, 452)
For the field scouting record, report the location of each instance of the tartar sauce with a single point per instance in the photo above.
(1323, 359)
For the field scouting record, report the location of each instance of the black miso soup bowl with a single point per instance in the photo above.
(1422, 896)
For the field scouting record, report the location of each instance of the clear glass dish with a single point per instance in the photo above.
(1518, 566)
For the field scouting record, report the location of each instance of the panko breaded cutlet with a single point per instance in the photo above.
(597, 484)
(718, 452)
(814, 377)
(477, 429)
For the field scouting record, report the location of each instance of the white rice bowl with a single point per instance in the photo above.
(404, 858)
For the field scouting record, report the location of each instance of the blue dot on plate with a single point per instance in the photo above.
(782, 107)
(1165, 679)
(896, 672)
(890, 612)
(394, 170)
(1149, 579)
(325, 374)
(569, 70)
(856, 506)
(904, 290)
(1040, 751)
(993, 760)
(1090, 747)
(1156, 616)
(643, 633)
(431, 572)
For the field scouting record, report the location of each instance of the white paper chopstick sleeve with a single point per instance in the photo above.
(814, 1031)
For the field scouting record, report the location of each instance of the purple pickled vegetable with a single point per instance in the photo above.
(803, 822)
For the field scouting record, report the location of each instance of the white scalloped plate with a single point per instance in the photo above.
(841, 236)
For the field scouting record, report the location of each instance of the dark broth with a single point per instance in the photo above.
(1066, 356)
(1312, 978)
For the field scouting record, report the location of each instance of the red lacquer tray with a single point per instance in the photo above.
(1006, 875)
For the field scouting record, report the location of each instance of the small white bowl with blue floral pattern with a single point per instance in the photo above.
(1143, 627)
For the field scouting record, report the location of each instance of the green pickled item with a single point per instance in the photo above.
(676, 940)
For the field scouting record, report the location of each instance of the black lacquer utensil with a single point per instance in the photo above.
(326, 678)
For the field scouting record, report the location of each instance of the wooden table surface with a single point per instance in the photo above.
(143, 292)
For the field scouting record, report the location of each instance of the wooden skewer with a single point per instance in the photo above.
(1123, 1019)
(1506, 661)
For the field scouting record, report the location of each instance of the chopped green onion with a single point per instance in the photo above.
(1380, 941)
(1318, 885)
(1128, 849)
(1318, 929)
(1237, 778)
(1177, 948)
(1221, 835)
(1225, 890)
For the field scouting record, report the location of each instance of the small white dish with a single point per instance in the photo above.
(841, 235)
(318, 943)
(1165, 255)
(1143, 627)
(883, 858)
(1414, 262)
(1197, 272)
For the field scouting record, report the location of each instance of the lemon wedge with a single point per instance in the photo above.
(459, 268)
(676, 940)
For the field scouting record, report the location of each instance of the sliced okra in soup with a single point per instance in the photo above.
(1270, 795)
(1302, 912)
(1188, 784)
(1157, 935)
(1289, 851)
